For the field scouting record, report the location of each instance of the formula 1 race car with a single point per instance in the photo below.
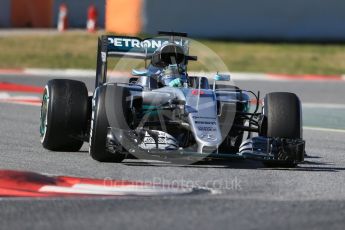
(164, 113)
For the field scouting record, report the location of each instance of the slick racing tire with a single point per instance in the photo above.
(282, 117)
(233, 139)
(113, 98)
(63, 115)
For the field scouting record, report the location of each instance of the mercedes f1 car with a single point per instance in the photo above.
(165, 113)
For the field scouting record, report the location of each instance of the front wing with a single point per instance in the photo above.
(277, 150)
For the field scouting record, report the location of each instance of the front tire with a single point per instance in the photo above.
(234, 137)
(111, 99)
(282, 118)
(63, 115)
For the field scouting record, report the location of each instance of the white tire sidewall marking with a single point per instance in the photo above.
(93, 106)
(46, 118)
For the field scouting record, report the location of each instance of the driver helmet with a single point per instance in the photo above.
(173, 75)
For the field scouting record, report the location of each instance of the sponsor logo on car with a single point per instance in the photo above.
(136, 44)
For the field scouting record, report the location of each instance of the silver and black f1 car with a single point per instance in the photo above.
(164, 113)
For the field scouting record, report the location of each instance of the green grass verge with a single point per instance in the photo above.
(68, 50)
(78, 50)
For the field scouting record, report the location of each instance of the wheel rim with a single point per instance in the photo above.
(44, 114)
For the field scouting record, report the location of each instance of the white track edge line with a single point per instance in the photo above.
(324, 129)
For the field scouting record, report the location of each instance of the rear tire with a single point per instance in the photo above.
(282, 117)
(113, 98)
(63, 115)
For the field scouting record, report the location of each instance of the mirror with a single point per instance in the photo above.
(221, 77)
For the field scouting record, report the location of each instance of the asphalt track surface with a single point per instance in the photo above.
(246, 194)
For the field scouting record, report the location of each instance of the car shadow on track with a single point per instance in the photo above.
(308, 165)
(241, 164)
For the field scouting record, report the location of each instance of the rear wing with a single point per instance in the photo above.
(123, 46)
(131, 47)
